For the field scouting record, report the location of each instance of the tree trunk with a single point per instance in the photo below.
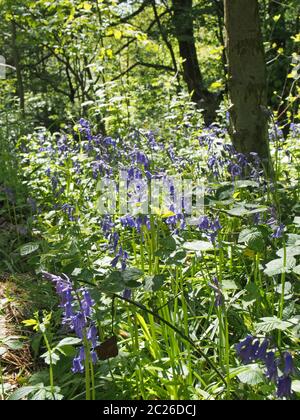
(247, 78)
(184, 32)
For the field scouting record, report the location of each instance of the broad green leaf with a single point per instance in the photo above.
(250, 374)
(291, 251)
(113, 283)
(278, 266)
(253, 238)
(69, 341)
(198, 246)
(297, 221)
(296, 270)
(131, 274)
(154, 283)
(21, 393)
(296, 386)
(269, 324)
(29, 248)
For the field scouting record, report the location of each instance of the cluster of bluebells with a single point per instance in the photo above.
(210, 227)
(77, 308)
(121, 257)
(223, 157)
(69, 211)
(277, 369)
(278, 228)
(136, 222)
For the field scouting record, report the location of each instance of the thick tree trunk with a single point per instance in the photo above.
(184, 32)
(247, 78)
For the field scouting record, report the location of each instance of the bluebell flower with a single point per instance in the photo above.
(278, 232)
(262, 350)
(115, 240)
(92, 335)
(128, 221)
(245, 349)
(284, 387)
(86, 303)
(78, 362)
(127, 294)
(204, 223)
(289, 368)
(77, 313)
(78, 323)
(271, 365)
(107, 226)
(235, 170)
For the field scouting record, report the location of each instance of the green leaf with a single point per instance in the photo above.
(29, 248)
(3, 350)
(69, 341)
(54, 357)
(296, 270)
(245, 184)
(291, 251)
(198, 246)
(278, 267)
(21, 393)
(297, 221)
(229, 285)
(132, 274)
(113, 283)
(13, 344)
(154, 283)
(253, 238)
(296, 386)
(269, 324)
(252, 375)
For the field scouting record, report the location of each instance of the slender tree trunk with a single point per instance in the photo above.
(184, 32)
(247, 78)
(278, 82)
(16, 57)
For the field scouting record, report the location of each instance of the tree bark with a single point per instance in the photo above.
(247, 78)
(184, 32)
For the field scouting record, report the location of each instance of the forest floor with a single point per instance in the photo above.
(16, 358)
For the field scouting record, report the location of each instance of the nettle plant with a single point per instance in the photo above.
(153, 303)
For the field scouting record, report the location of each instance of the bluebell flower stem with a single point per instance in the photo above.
(51, 376)
(87, 369)
(281, 304)
(93, 380)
